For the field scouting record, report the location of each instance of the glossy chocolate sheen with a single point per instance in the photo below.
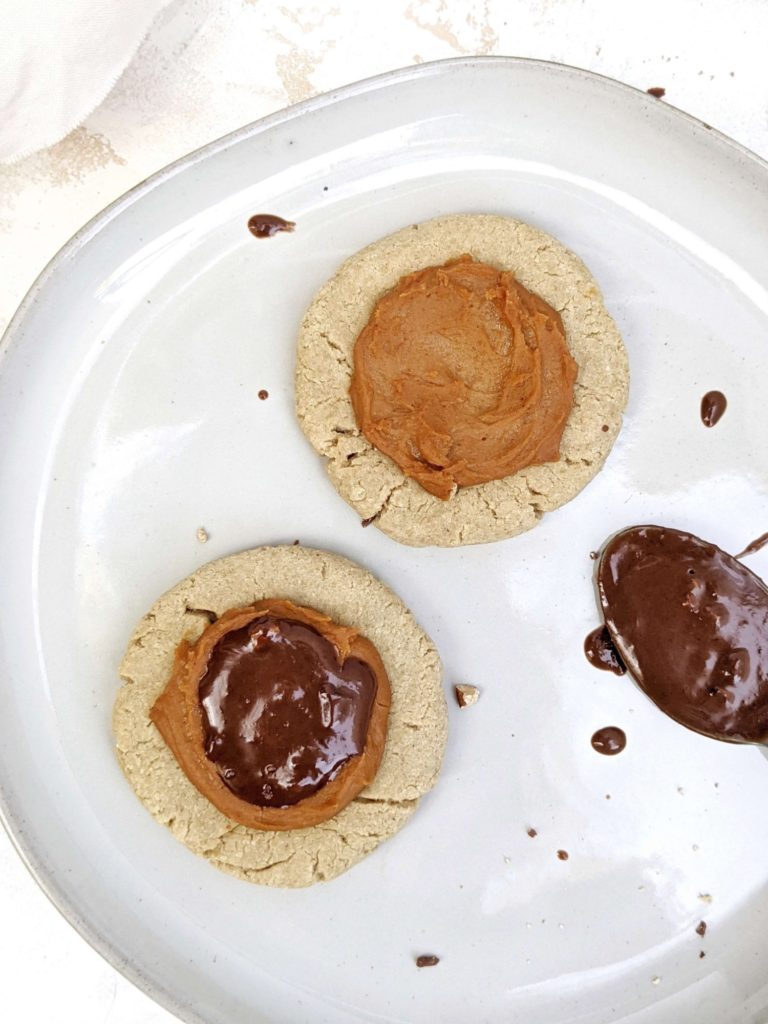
(281, 716)
(691, 624)
(609, 740)
(265, 225)
(601, 652)
(713, 405)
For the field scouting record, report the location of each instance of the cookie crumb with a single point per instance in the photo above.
(263, 394)
(656, 91)
(427, 960)
(655, 979)
(202, 535)
(466, 695)
(701, 928)
(562, 855)
(705, 897)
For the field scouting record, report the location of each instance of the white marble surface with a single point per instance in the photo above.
(209, 66)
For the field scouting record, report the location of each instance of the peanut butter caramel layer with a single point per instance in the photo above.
(277, 714)
(462, 376)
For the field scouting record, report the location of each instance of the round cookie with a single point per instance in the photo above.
(371, 482)
(417, 723)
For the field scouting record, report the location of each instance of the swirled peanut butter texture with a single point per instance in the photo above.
(462, 376)
(277, 714)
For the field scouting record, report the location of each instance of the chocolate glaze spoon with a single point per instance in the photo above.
(690, 622)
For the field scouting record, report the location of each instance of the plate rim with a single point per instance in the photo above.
(11, 820)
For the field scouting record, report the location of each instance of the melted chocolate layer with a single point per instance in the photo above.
(691, 623)
(280, 715)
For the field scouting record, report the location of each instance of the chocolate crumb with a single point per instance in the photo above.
(656, 91)
(368, 521)
(702, 954)
(466, 695)
(263, 394)
(427, 960)
(594, 555)
(701, 928)
(607, 796)
(325, 188)
(532, 833)
(562, 855)
(295, 543)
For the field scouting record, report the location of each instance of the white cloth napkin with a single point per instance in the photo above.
(58, 61)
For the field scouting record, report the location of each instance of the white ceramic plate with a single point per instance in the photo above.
(129, 418)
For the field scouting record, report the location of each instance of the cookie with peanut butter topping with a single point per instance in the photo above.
(282, 713)
(461, 377)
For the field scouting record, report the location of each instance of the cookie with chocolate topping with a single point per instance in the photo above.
(462, 377)
(282, 713)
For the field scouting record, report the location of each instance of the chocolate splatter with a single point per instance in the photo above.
(601, 653)
(609, 740)
(657, 91)
(265, 225)
(713, 405)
